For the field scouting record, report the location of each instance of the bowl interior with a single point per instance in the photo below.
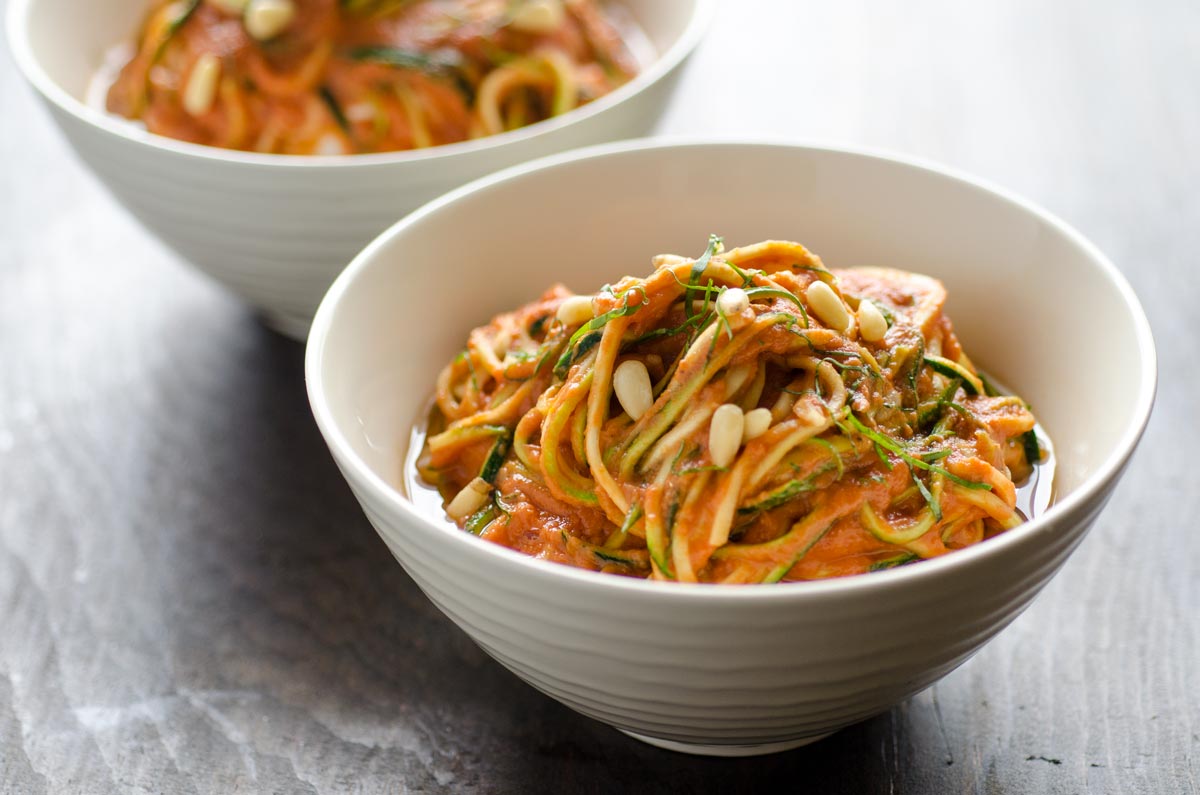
(1037, 307)
(63, 59)
(70, 54)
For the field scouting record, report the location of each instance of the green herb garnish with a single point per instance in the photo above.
(699, 266)
(335, 109)
(596, 323)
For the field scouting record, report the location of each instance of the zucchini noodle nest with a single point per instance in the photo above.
(333, 77)
(749, 416)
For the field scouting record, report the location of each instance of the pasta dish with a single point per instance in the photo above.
(748, 416)
(351, 76)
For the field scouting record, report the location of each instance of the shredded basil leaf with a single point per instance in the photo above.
(698, 268)
(596, 323)
(334, 108)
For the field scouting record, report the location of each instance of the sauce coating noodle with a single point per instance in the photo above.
(749, 416)
(355, 76)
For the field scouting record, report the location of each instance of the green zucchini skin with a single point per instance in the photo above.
(896, 562)
(495, 459)
(889, 535)
(970, 382)
(1031, 446)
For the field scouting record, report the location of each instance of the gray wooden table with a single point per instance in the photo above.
(190, 600)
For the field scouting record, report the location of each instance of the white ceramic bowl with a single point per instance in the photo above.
(731, 669)
(277, 229)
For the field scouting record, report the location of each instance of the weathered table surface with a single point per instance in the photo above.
(191, 601)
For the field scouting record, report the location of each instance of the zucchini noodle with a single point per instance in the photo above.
(724, 420)
(355, 76)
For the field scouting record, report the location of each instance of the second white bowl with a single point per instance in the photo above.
(277, 229)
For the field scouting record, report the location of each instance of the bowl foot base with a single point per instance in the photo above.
(700, 749)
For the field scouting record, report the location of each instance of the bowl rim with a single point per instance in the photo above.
(29, 64)
(1089, 492)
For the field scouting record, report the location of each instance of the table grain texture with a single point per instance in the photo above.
(191, 601)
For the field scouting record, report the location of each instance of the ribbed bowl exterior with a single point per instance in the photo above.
(724, 671)
(277, 230)
(278, 235)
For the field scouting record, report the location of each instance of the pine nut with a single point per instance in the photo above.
(631, 382)
(201, 89)
(576, 310)
(733, 301)
(871, 322)
(755, 424)
(725, 434)
(469, 500)
(266, 19)
(538, 16)
(827, 306)
(233, 7)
